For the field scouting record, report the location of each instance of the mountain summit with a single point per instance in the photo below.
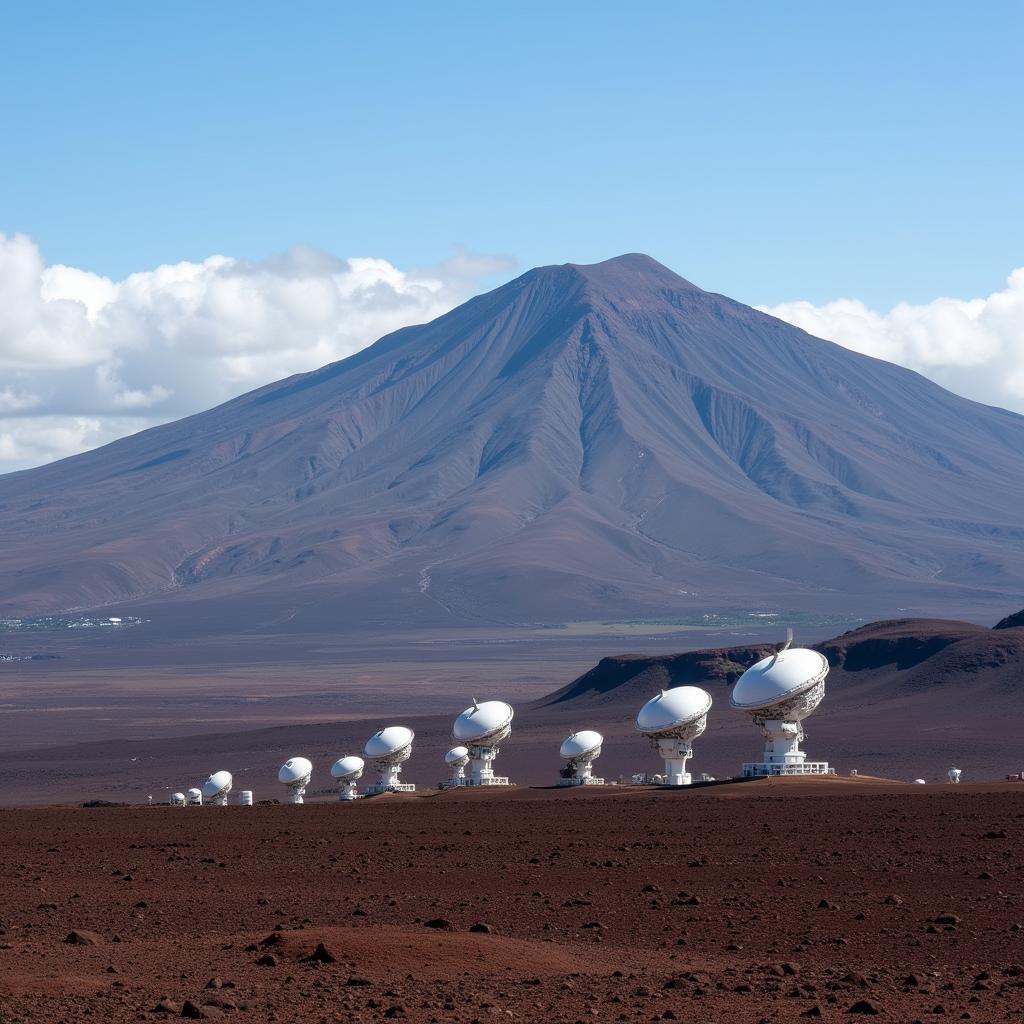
(604, 441)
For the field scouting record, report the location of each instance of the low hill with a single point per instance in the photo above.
(899, 656)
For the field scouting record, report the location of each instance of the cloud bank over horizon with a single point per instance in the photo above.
(973, 347)
(85, 359)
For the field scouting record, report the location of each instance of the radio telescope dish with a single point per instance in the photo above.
(579, 750)
(388, 749)
(480, 728)
(245, 798)
(779, 692)
(217, 787)
(672, 721)
(177, 800)
(295, 773)
(347, 771)
(954, 775)
(195, 798)
(457, 758)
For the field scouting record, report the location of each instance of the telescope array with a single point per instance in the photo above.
(778, 692)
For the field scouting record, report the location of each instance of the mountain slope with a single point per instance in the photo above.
(600, 441)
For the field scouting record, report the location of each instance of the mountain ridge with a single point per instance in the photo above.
(943, 671)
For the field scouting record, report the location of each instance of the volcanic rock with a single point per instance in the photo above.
(320, 955)
(865, 1006)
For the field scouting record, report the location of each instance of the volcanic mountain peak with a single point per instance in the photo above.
(587, 441)
(627, 275)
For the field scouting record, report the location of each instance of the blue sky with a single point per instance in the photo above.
(769, 150)
(184, 186)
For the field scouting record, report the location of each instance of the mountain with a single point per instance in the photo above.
(585, 442)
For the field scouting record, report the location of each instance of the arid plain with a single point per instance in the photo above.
(776, 900)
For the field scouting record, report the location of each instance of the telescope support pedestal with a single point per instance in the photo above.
(582, 775)
(388, 781)
(782, 753)
(676, 753)
(481, 773)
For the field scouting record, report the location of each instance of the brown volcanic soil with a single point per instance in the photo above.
(765, 901)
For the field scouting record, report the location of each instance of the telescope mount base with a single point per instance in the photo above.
(395, 787)
(762, 769)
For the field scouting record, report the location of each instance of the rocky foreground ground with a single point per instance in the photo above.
(781, 901)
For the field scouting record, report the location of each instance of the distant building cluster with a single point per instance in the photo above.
(49, 623)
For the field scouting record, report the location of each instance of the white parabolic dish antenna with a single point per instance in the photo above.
(295, 773)
(177, 799)
(672, 721)
(779, 680)
(393, 744)
(348, 768)
(347, 771)
(489, 722)
(779, 692)
(457, 758)
(579, 744)
(579, 750)
(480, 728)
(388, 749)
(217, 787)
(195, 797)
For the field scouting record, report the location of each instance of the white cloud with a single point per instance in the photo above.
(974, 347)
(84, 359)
(13, 400)
(33, 440)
